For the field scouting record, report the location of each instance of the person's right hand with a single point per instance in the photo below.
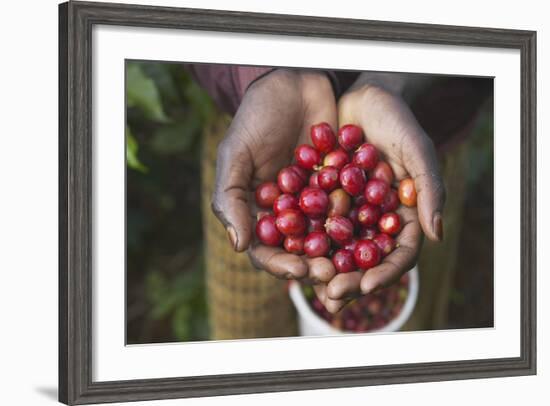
(274, 117)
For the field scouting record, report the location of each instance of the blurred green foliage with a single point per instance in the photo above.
(481, 153)
(165, 112)
(131, 153)
(471, 297)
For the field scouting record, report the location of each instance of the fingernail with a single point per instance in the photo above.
(232, 236)
(438, 226)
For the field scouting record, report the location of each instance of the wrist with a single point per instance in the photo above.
(370, 96)
(245, 77)
(394, 83)
(316, 85)
(302, 78)
(306, 84)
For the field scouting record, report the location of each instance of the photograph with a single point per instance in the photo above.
(232, 189)
(254, 203)
(271, 201)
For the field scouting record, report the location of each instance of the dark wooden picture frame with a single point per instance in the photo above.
(76, 20)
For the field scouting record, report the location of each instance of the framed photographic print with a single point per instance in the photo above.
(258, 202)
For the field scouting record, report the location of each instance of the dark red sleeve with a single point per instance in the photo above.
(227, 84)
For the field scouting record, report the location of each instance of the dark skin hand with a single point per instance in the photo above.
(374, 103)
(274, 117)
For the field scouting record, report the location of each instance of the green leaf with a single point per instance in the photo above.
(142, 93)
(158, 292)
(132, 147)
(176, 138)
(161, 75)
(181, 323)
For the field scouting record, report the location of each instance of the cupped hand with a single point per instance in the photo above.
(274, 117)
(389, 124)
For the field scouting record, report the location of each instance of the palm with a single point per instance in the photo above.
(273, 118)
(389, 124)
(270, 136)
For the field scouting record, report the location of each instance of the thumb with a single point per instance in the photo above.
(421, 163)
(231, 191)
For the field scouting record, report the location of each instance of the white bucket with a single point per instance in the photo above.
(311, 324)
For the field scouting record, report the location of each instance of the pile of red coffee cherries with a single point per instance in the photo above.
(367, 313)
(336, 201)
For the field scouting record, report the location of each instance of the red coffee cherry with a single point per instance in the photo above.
(385, 243)
(382, 171)
(323, 137)
(339, 229)
(343, 261)
(375, 306)
(376, 191)
(304, 174)
(313, 202)
(291, 222)
(352, 179)
(314, 180)
(338, 158)
(290, 180)
(267, 231)
(266, 194)
(350, 137)
(339, 203)
(407, 192)
(285, 201)
(366, 254)
(389, 223)
(261, 214)
(368, 214)
(328, 178)
(317, 244)
(294, 244)
(307, 157)
(391, 202)
(366, 157)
